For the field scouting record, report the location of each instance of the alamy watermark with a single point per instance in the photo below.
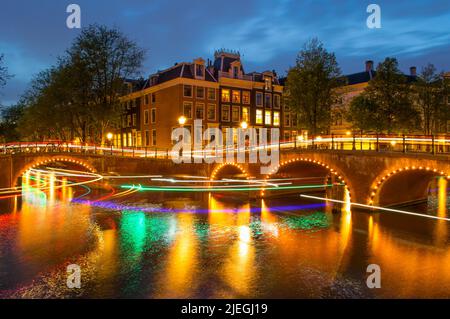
(238, 143)
(374, 19)
(73, 276)
(73, 21)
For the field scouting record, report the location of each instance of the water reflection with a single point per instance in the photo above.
(236, 249)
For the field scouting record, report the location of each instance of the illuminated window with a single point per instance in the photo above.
(199, 111)
(225, 95)
(187, 110)
(246, 97)
(211, 112)
(245, 114)
(236, 96)
(211, 94)
(200, 92)
(187, 91)
(268, 118)
(276, 118)
(268, 83)
(235, 114)
(259, 117)
(226, 113)
(276, 101)
(259, 99)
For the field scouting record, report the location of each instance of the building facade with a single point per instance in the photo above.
(218, 92)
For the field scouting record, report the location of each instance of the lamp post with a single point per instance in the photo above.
(182, 120)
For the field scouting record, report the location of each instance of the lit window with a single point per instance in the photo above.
(211, 94)
(235, 114)
(187, 110)
(211, 112)
(268, 118)
(187, 91)
(259, 117)
(246, 97)
(199, 111)
(225, 113)
(225, 95)
(236, 96)
(146, 117)
(153, 117)
(268, 83)
(245, 115)
(200, 92)
(276, 118)
(258, 98)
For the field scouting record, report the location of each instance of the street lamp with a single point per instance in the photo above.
(244, 125)
(109, 136)
(182, 120)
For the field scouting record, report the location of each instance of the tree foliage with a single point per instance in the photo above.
(79, 97)
(311, 86)
(387, 100)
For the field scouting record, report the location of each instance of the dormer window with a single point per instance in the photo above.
(268, 83)
(199, 70)
(235, 72)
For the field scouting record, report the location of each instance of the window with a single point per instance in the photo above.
(286, 107)
(276, 118)
(258, 99)
(153, 117)
(146, 99)
(128, 105)
(211, 94)
(276, 101)
(268, 118)
(236, 96)
(226, 113)
(153, 137)
(246, 97)
(147, 138)
(225, 95)
(211, 112)
(124, 121)
(268, 100)
(134, 119)
(199, 111)
(235, 72)
(199, 70)
(259, 117)
(287, 136)
(146, 117)
(187, 110)
(235, 114)
(294, 120)
(153, 97)
(187, 91)
(245, 115)
(268, 83)
(200, 92)
(287, 119)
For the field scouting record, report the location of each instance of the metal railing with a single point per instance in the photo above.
(418, 144)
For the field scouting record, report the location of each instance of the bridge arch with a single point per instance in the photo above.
(228, 166)
(336, 174)
(404, 185)
(42, 161)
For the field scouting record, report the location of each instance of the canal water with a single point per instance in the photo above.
(153, 245)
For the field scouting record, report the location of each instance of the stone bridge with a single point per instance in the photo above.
(378, 178)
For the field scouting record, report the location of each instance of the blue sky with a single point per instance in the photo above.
(267, 33)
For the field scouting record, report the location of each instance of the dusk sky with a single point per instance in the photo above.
(267, 33)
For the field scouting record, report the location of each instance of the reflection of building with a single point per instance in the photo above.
(219, 92)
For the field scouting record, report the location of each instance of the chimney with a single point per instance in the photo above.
(413, 71)
(369, 65)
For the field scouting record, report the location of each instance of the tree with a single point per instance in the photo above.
(9, 124)
(4, 75)
(106, 57)
(311, 86)
(431, 90)
(388, 98)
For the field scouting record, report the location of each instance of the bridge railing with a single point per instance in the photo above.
(432, 144)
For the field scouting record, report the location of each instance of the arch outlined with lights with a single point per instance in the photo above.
(63, 159)
(222, 165)
(378, 184)
(331, 170)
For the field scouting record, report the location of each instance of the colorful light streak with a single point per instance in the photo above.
(375, 207)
